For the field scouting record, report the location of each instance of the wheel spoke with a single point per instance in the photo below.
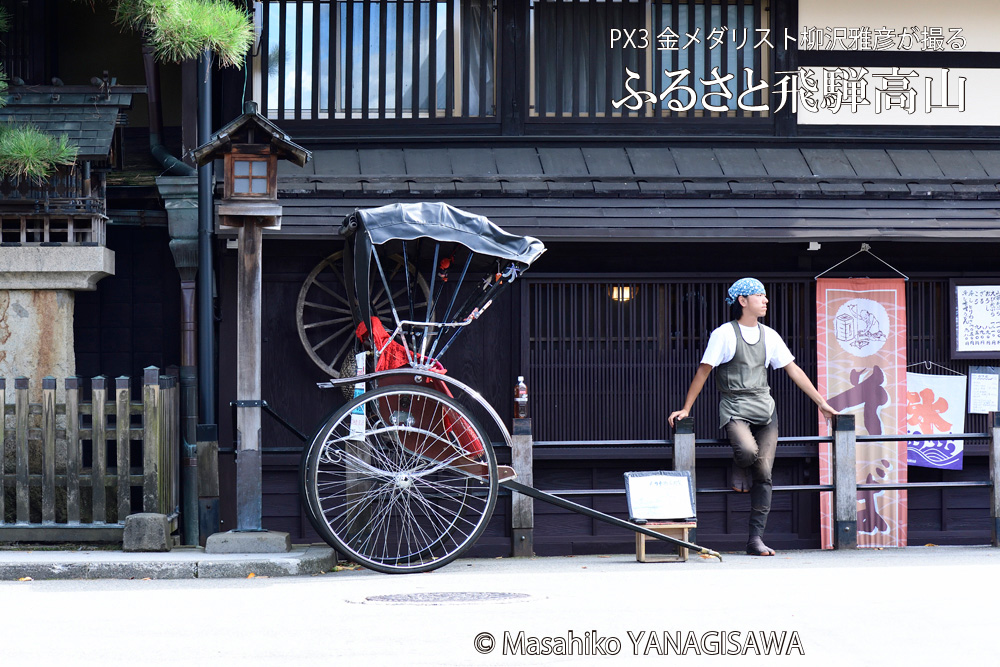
(326, 323)
(323, 306)
(331, 337)
(333, 293)
(323, 301)
(400, 497)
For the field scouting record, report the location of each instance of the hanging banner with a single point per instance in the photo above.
(861, 355)
(935, 404)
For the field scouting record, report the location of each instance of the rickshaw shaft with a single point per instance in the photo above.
(600, 516)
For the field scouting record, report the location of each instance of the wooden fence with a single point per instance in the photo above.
(73, 471)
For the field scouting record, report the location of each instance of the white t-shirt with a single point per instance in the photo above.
(722, 345)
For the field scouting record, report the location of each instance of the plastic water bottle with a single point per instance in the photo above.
(521, 398)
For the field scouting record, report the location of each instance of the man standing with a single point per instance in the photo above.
(742, 349)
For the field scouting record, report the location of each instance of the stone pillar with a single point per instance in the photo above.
(36, 308)
(36, 327)
(36, 336)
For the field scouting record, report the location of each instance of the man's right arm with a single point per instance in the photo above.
(700, 376)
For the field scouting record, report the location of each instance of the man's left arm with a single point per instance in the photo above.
(800, 378)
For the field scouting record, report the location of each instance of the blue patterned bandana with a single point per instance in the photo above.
(744, 287)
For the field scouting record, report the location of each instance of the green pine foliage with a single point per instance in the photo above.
(181, 29)
(177, 29)
(27, 152)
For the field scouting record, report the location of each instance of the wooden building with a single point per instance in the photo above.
(652, 145)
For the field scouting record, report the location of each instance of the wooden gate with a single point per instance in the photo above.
(72, 471)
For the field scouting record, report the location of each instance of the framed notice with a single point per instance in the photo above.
(975, 307)
(659, 495)
(984, 389)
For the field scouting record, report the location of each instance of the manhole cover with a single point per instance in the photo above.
(458, 597)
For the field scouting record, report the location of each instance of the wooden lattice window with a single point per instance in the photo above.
(251, 172)
(249, 177)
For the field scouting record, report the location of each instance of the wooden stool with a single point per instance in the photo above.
(676, 529)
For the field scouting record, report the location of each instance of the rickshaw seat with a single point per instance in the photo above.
(394, 356)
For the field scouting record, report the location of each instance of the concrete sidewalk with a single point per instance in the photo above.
(179, 563)
(194, 563)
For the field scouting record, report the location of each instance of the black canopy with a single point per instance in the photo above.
(398, 223)
(446, 223)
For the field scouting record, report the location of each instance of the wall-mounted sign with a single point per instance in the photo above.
(975, 307)
(984, 389)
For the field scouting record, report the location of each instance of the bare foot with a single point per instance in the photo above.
(740, 479)
(756, 547)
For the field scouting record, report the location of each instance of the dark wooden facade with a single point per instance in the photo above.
(600, 391)
(675, 204)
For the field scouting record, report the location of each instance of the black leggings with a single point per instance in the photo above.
(754, 446)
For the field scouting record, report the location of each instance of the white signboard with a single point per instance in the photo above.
(976, 309)
(984, 391)
(659, 495)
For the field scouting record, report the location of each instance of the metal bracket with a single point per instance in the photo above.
(259, 403)
(248, 404)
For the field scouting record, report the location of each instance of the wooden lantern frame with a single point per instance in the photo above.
(250, 153)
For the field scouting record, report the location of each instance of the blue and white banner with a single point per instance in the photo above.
(935, 404)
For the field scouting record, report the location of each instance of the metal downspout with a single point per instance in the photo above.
(188, 380)
(207, 373)
(171, 164)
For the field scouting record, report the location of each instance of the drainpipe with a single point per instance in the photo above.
(188, 380)
(171, 164)
(208, 430)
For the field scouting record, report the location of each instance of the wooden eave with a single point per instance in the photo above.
(87, 115)
(645, 193)
(280, 143)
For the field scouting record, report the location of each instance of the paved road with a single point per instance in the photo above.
(916, 606)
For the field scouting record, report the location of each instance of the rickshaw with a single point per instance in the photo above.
(403, 477)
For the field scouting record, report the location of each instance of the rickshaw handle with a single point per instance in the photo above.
(600, 516)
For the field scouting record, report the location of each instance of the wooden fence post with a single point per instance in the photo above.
(845, 483)
(248, 378)
(684, 449)
(73, 450)
(522, 507)
(99, 446)
(48, 449)
(123, 431)
(170, 446)
(21, 409)
(208, 481)
(151, 430)
(995, 477)
(684, 459)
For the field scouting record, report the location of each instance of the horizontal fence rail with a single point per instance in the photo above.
(685, 449)
(66, 191)
(611, 357)
(73, 470)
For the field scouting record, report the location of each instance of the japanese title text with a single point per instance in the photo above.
(833, 89)
(811, 38)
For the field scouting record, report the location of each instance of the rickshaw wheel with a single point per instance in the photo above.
(323, 314)
(398, 490)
